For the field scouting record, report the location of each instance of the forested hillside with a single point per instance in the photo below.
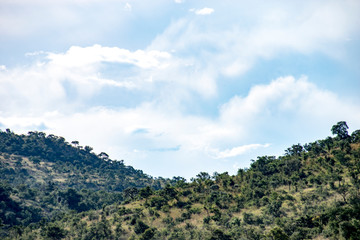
(311, 192)
(42, 176)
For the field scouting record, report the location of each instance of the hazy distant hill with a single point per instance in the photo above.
(312, 192)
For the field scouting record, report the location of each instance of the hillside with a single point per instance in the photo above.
(312, 192)
(42, 176)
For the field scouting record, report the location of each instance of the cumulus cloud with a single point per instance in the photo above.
(185, 64)
(44, 85)
(152, 132)
(286, 100)
(204, 11)
(81, 56)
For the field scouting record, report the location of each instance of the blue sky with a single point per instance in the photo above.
(178, 87)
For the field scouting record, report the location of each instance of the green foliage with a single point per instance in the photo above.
(312, 192)
(158, 202)
(79, 167)
(53, 231)
(340, 129)
(169, 192)
(145, 192)
(72, 198)
(350, 229)
(277, 233)
(148, 234)
(218, 234)
(140, 227)
(100, 230)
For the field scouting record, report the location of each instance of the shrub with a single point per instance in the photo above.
(140, 227)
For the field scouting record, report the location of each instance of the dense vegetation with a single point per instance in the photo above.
(312, 192)
(44, 176)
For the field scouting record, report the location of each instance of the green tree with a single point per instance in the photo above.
(140, 227)
(148, 234)
(169, 192)
(203, 176)
(350, 229)
(277, 233)
(341, 130)
(72, 198)
(355, 136)
(218, 234)
(145, 192)
(100, 230)
(274, 208)
(295, 150)
(53, 231)
(130, 192)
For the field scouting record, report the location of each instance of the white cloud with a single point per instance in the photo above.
(82, 56)
(128, 7)
(57, 90)
(78, 21)
(233, 42)
(41, 86)
(236, 151)
(283, 94)
(288, 109)
(204, 11)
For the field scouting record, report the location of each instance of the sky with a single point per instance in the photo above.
(178, 87)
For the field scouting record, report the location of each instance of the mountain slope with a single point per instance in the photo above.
(50, 158)
(42, 176)
(312, 192)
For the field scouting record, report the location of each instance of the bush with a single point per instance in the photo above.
(157, 202)
(218, 234)
(140, 227)
(53, 231)
(207, 220)
(148, 234)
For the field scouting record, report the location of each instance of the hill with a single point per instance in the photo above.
(311, 192)
(42, 176)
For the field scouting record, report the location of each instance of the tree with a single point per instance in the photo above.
(341, 130)
(5, 191)
(218, 234)
(350, 229)
(203, 176)
(295, 150)
(355, 136)
(72, 198)
(169, 192)
(53, 231)
(88, 149)
(104, 156)
(100, 230)
(130, 192)
(343, 190)
(274, 208)
(278, 233)
(140, 227)
(157, 202)
(145, 192)
(75, 143)
(148, 234)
